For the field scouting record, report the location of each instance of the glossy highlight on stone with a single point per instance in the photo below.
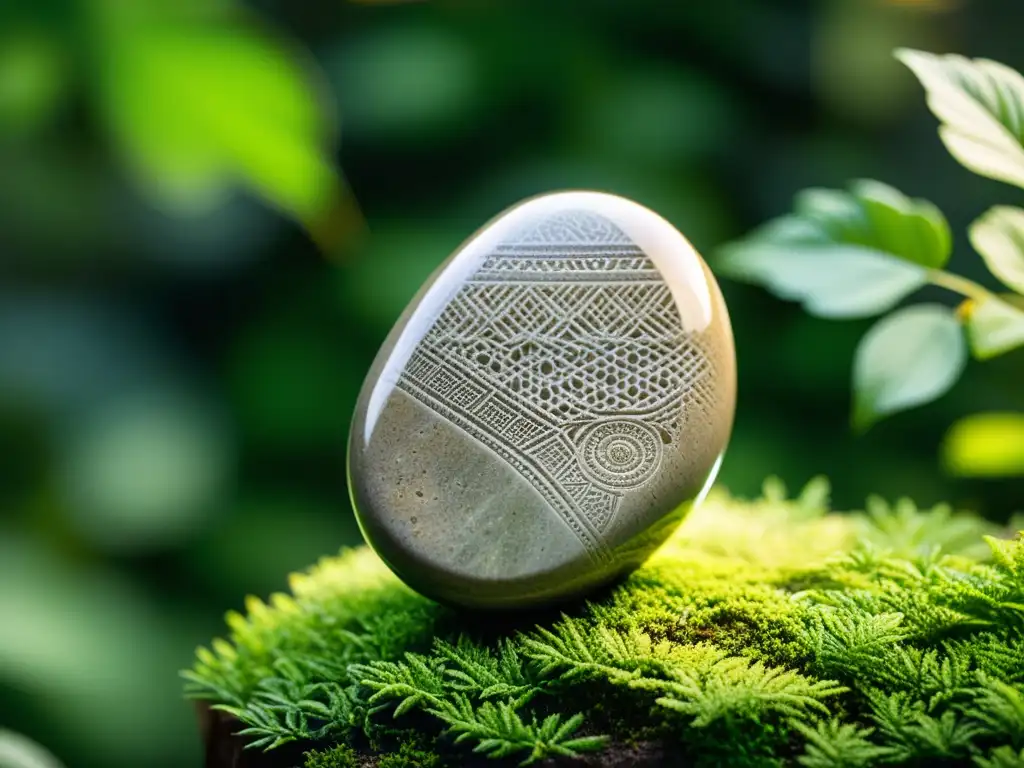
(547, 409)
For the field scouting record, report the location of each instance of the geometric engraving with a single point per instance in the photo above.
(523, 430)
(495, 415)
(465, 393)
(555, 453)
(565, 354)
(444, 382)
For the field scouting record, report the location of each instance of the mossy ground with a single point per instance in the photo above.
(769, 632)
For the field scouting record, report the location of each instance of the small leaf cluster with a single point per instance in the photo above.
(769, 631)
(859, 252)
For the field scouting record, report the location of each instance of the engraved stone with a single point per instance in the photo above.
(547, 409)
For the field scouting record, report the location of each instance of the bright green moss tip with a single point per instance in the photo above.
(763, 633)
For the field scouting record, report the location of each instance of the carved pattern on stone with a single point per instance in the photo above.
(620, 454)
(565, 354)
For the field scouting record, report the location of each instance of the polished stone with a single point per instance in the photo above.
(547, 409)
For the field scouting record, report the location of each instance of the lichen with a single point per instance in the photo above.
(767, 632)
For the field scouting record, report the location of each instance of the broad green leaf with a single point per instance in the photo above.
(909, 358)
(981, 106)
(844, 253)
(999, 237)
(197, 107)
(994, 327)
(832, 281)
(879, 217)
(986, 445)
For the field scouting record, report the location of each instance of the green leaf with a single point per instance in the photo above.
(835, 282)
(985, 445)
(994, 327)
(17, 751)
(981, 106)
(999, 237)
(882, 218)
(909, 358)
(199, 106)
(844, 254)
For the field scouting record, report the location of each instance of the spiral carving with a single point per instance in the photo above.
(620, 454)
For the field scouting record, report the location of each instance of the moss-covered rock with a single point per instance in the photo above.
(769, 632)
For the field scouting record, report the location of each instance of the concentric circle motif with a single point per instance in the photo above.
(620, 454)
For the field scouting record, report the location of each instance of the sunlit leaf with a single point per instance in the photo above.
(851, 253)
(17, 751)
(198, 106)
(986, 445)
(994, 326)
(879, 217)
(909, 358)
(837, 282)
(999, 237)
(981, 106)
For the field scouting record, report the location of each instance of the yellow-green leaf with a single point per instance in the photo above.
(197, 107)
(994, 326)
(999, 237)
(986, 445)
(981, 106)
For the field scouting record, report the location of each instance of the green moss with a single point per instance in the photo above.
(410, 755)
(769, 632)
(339, 756)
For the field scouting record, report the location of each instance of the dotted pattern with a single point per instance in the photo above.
(566, 351)
(576, 351)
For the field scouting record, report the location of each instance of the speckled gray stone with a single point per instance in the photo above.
(547, 409)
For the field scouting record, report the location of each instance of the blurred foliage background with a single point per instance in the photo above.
(210, 216)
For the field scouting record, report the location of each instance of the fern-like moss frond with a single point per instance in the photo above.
(834, 744)
(765, 632)
(1001, 757)
(499, 731)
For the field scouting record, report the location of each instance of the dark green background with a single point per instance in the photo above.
(175, 392)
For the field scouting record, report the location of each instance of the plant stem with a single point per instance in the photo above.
(958, 284)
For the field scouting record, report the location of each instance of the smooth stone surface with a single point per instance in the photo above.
(548, 407)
